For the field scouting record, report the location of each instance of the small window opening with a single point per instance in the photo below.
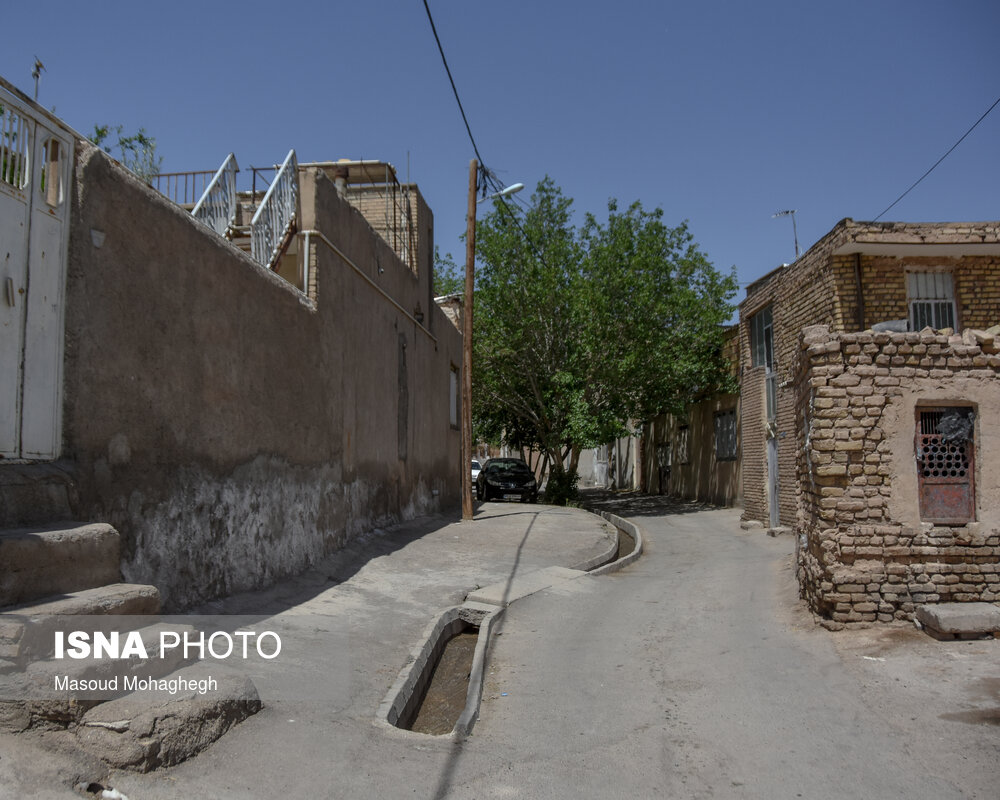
(945, 451)
(932, 300)
(14, 142)
(51, 184)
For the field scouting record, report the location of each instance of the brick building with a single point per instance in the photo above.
(839, 426)
(860, 274)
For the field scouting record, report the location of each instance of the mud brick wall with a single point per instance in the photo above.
(799, 294)
(977, 288)
(752, 445)
(864, 554)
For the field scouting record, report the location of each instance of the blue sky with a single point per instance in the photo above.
(721, 113)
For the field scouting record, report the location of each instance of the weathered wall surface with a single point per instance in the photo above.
(864, 552)
(231, 428)
(700, 475)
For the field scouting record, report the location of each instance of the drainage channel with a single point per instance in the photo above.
(439, 691)
(447, 690)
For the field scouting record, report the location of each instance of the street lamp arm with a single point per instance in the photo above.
(514, 188)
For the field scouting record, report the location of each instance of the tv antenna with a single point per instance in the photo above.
(795, 232)
(36, 73)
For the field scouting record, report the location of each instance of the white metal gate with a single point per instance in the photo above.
(36, 156)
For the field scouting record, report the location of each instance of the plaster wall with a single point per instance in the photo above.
(233, 429)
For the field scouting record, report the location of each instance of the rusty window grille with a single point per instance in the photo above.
(945, 451)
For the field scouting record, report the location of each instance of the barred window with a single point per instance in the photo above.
(946, 464)
(932, 300)
(725, 435)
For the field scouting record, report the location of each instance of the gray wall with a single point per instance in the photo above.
(233, 430)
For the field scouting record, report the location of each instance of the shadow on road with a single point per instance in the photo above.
(637, 504)
(455, 754)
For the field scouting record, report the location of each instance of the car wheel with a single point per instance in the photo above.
(479, 492)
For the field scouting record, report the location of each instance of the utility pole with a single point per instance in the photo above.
(470, 268)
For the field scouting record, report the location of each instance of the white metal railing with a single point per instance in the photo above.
(275, 219)
(217, 206)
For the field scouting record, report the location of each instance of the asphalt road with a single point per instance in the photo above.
(696, 673)
(693, 673)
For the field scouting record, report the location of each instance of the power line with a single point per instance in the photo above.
(453, 88)
(988, 110)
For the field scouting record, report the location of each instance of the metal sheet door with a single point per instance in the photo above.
(35, 162)
(41, 411)
(16, 143)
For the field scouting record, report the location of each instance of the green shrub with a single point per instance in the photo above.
(561, 487)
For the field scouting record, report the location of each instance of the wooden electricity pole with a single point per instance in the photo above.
(470, 267)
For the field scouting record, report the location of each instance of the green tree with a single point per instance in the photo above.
(579, 332)
(449, 278)
(136, 152)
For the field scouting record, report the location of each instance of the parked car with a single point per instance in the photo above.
(475, 472)
(507, 479)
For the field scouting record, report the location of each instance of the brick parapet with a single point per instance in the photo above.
(856, 561)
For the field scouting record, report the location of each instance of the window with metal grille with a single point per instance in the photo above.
(725, 435)
(945, 450)
(932, 300)
(762, 339)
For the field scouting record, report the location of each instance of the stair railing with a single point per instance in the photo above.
(274, 221)
(217, 206)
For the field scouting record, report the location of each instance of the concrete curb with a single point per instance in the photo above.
(475, 694)
(409, 687)
(634, 531)
(599, 560)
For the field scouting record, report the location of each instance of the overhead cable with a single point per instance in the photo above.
(988, 110)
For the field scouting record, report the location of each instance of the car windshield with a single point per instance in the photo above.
(475, 465)
(507, 465)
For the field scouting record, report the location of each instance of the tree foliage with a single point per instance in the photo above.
(579, 332)
(136, 152)
(449, 278)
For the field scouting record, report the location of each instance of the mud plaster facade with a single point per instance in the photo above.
(232, 428)
(851, 279)
(864, 552)
(697, 468)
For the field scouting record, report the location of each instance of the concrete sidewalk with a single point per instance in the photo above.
(347, 629)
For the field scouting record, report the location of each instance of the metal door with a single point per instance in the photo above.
(772, 481)
(35, 159)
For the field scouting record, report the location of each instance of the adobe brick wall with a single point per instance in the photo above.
(752, 445)
(863, 552)
(820, 288)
